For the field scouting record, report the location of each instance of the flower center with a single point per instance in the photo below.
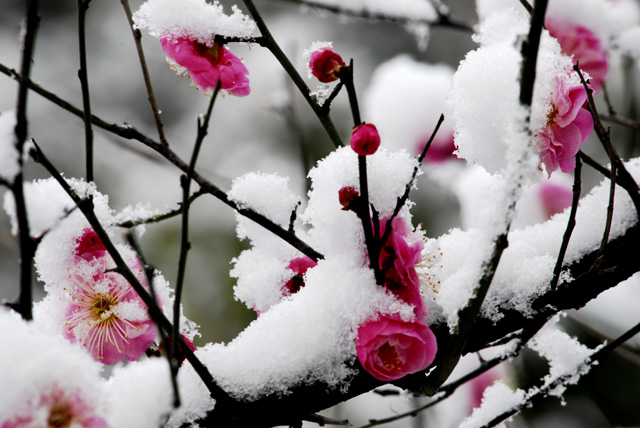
(389, 357)
(60, 416)
(100, 305)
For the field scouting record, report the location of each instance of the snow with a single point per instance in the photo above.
(26, 371)
(527, 264)
(486, 86)
(140, 394)
(339, 293)
(565, 355)
(405, 100)
(9, 159)
(606, 18)
(194, 19)
(497, 399)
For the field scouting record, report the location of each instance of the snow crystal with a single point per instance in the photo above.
(526, 266)
(38, 362)
(566, 356)
(194, 19)
(486, 85)
(9, 160)
(195, 398)
(497, 399)
(137, 212)
(405, 100)
(140, 395)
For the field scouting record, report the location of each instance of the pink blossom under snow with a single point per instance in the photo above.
(568, 126)
(207, 64)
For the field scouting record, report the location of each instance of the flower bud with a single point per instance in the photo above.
(325, 64)
(365, 139)
(348, 197)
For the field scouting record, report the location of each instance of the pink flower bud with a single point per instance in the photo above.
(365, 139)
(389, 348)
(555, 198)
(325, 64)
(90, 246)
(348, 196)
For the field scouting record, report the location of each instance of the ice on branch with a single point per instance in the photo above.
(192, 19)
(45, 378)
(9, 159)
(526, 266)
(405, 100)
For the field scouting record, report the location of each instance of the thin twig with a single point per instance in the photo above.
(149, 274)
(86, 206)
(527, 6)
(594, 164)
(160, 217)
(27, 245)
(83, 7)
(577, 187)
(373, 246)
(131, 133)
(607, 228)
(444, 20)
(270, 43)
(185, 245)
(624, 179)
(403, 199)
(610, 108)
(629, 123)
(137, 37)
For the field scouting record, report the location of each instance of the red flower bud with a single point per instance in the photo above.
(89, 245)
(348, 196)
(325, 64)
(365, 139)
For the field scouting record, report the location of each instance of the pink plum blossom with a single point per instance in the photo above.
(554, 198)
(365, 139)
(584, 46)
(106, 315)
(57, 408)
(568, 126)
(299, 266)
(206, 64)
(389, 348)
(397, 263)
(325, 64)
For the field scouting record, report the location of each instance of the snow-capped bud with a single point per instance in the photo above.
(325, 64)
